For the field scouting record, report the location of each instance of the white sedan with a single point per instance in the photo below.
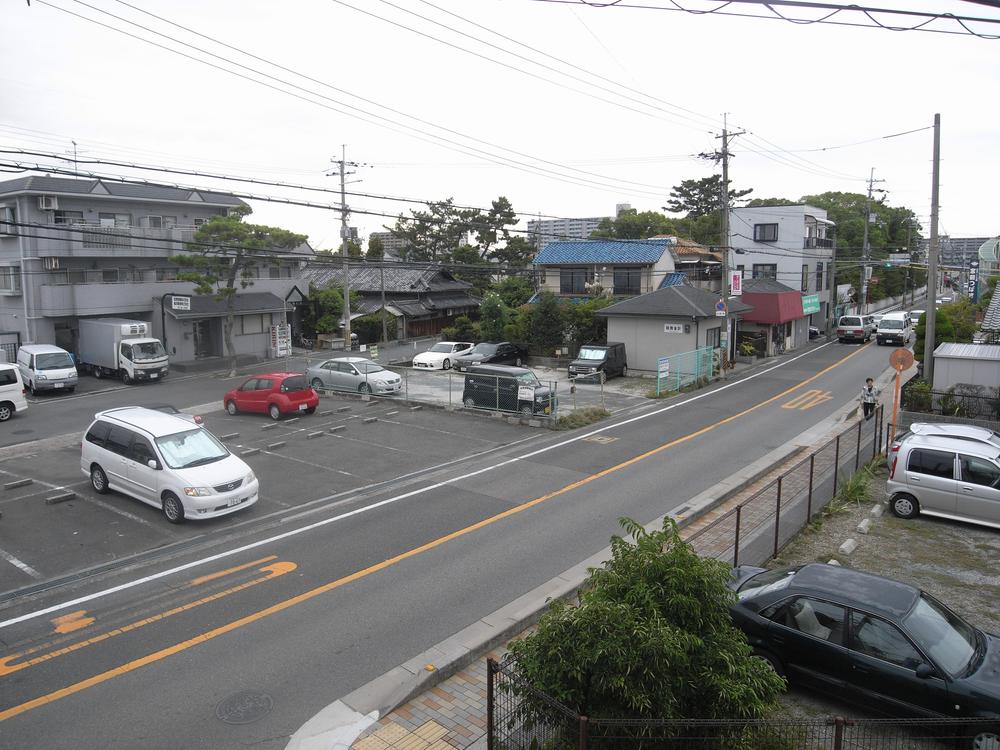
(440, 356)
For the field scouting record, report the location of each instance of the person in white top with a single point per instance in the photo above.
(869, 397)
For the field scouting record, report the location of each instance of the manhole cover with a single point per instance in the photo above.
(244, 708)
(602, 439)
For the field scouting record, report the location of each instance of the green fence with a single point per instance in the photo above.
(680, 370)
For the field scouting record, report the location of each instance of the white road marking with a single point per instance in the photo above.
(379, 504)
(20, 564)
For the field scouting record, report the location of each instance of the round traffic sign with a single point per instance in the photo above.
(901, 359)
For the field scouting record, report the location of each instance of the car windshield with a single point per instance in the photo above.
(368, 367)
(528, 378)
(891, 324)
(850, 321)
(197, 447)
(769, 580)
(588, 353)
(944, 636)
(54, 361)
(483, 349)
(148, 350)
(441, 347)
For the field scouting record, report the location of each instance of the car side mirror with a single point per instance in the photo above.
(924, 671)
(153, 463)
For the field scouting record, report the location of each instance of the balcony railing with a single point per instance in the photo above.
(813, 242)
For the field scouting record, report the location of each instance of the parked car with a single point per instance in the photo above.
(592, 359)
(503, 353)
(167, 462)
(275, 394)
(945, 429)
(168, 409)
(894, 328)
(915, 317)
(870, 324)
(441, 355)
(814, 332)
(46, 368)
(853, 328)
(354, 374)
(12, 398)
(514, 389)
(877, 318)
(876, 641)
(947, 477)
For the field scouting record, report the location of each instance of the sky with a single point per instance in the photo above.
(567, 109)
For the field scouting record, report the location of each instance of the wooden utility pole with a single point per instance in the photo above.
(725, 340)
(345, 235)
(932, 257)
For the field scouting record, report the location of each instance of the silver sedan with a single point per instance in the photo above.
(353, 374)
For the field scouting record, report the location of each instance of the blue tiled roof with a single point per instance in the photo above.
(602, 251)
(672, 279)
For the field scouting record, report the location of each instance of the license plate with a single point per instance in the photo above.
(57, 385)
(153, 375)
(302, 407)
(236, 501)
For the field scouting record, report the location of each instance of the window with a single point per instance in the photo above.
(199, 222)
(813, 617)
(114, 220)
(98, 434)
(250, 385)
(712, 337)
(979, 471)
(765, 232)
(169, 222)
(932, 463)
(141, 451)
(628, 281)
(741, 270)
(154, 222)
(274, 272)
(819, 277)
(119, 440)
(883, 640)
(67, 217)
(10, 279)
(765, 271)
(126, 351)
(805, 277)
(264, 384)
(8, 376)
(109, 275)
(8, 216)
(253, 324)
(166, 274)
(572, 280)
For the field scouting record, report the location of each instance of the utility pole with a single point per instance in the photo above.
(725, 340)
(865, 250)
(345, 234)
(932, 256)
(381, 279)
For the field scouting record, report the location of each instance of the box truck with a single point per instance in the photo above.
(116, 347)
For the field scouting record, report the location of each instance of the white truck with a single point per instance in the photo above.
(116, 347)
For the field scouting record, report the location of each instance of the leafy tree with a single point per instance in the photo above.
(514, 290)
(353, 250)
(493, 226)
(890, 228)
(369, 327)
(766, 202)
(632, 225)
(472, 268)
(223, 254)
(583, 325)
(651, 637)
(546, 327)
(463, 330)
(492, 318)
(376, 248)
(518, 327)
(963, 318)
(435, 235)
(944, 330)
(517, 253)
(701, 197)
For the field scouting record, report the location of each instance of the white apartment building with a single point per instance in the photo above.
(543, 231)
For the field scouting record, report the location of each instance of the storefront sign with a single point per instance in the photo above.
(810, 304)
(673, 328)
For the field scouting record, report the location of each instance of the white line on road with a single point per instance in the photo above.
(20, 564)
(380, 503)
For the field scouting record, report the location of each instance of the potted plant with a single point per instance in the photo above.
(745, 352)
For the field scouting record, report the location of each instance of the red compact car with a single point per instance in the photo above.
(275, 393)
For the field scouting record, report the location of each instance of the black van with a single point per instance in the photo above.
(592, 359)
(503, 388)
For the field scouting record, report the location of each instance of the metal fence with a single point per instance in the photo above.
(760, 526)
(521, 717)
(983, 404)
(679, 371)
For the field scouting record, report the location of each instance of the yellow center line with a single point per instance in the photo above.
(388, 563)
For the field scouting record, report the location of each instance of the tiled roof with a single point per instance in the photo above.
(673, 302)
(64, 185)
(991, 321)
(672, 279)
(602, 251)
(366, 278)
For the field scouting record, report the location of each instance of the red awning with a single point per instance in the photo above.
(773, 307)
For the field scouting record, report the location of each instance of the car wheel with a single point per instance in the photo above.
(126, 378)
(987, 738)
(31, 387)
(98, 480)
(446, 365)
(317, 384)
(470, 403)
(771, 660)
(173, 508)
(231, 408)
(6, 412)
(624, 371)
(840, 341)
(364, 388)
(274, 412)
(98, 373)
(905, 506)
(527, 411)
(70, 390)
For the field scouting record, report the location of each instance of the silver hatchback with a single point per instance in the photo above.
(946, 477)
(353, 374)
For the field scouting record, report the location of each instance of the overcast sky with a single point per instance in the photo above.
(646, 94)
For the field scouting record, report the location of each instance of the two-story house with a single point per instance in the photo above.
(82, 248)
(792, 245)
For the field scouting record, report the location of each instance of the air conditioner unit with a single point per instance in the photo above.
(48, 203)
(51, 263)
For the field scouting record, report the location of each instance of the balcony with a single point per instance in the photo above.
(94, 240)
(809, 243)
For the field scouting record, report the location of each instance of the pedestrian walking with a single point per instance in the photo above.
(869, 397)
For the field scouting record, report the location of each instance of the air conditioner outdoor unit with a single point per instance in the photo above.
(48, 203)
(51, 263)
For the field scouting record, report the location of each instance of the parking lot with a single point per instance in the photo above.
(54, 523)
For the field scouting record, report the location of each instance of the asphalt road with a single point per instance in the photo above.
(366, 549)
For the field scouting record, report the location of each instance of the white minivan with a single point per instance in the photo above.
(11, 392)
(894, 328)
(167, 462)
(46, 368)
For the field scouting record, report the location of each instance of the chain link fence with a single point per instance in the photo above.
(679, 371)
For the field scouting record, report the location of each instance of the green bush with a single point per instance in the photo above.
(582, 417)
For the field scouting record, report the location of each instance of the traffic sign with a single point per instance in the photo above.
(901, 359)
(720, 308)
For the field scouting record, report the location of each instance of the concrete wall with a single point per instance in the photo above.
(949, 371)
(646, 340)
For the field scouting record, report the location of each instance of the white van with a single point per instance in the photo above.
(46, 368)
(11, 392)
(894, 328)
(167, 462)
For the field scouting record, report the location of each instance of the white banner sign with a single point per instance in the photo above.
(673, 328)
(736, 283)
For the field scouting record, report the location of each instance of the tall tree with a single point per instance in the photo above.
(376, 248)
(221, 259)
(701, 197)
(546, 323)
(632, 225)
(493, 226)
(514, 290)
(517, 253)
(492, 318)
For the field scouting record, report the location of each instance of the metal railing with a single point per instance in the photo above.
(951, 403)
(678, 371)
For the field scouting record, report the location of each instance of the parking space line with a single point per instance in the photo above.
(119, 511)
(307, 463)
(20, 564)
(434, 429)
